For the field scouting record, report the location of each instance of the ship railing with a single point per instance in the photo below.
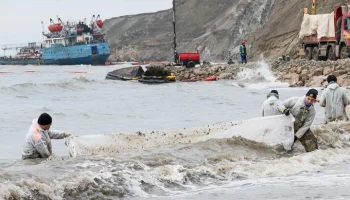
(83, 43)
(20, 46)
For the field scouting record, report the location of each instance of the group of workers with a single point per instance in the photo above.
(333, 98)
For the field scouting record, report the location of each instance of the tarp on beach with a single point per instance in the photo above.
(272, 131)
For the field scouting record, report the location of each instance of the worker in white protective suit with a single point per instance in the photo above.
(270, 105)
(334, 99)
(38, 140)
(304, 113)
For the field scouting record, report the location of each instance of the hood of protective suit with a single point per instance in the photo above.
(333, 85)
(270, 106)
(35, 124)
(273, 95)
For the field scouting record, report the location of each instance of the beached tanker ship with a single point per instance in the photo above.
(67, 43)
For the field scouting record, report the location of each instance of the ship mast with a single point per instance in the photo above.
(174, 22)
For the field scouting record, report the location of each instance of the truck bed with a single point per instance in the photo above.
(313, 39)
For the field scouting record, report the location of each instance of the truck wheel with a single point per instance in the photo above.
(343, 52)
(308, 53)
(315, 55)
(190, 64)
(330, 53)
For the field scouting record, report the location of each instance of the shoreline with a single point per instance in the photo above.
(297, 73)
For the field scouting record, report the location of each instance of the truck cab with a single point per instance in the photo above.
(342, 34)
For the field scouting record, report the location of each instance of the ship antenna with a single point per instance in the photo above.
(42, 25)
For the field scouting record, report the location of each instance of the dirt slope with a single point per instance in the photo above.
(213, 27)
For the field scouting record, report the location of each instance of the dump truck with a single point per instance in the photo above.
(325, 36)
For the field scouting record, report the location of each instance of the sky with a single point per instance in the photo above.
(21, 19)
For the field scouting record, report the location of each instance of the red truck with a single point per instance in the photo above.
(334, 43)
(189, 59)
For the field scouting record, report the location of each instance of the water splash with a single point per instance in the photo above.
(258, 77)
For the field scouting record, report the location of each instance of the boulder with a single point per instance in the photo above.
(304, 72)
(213, 69)
(187, 75)
(300, 83)
(298, 70)
(281, 74)
(225, 76)
(317, 72)
(198, 72)
(339, 73)
(293, 70)
(316, 81)
(181, 69)
(304, 78)
(179, 77)
(342, 79)
(292, 79)
(346, 82)
(327, 70)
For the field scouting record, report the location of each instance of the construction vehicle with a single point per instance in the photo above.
(188, 59)
(325, 36)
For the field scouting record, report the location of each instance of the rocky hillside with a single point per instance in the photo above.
(213, 27)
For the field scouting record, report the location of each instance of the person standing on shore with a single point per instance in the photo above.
(243, 51)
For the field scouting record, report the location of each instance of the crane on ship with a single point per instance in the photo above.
(96, 24)
(33, 47)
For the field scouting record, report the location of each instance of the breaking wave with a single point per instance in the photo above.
(76, 83)
(178, 169)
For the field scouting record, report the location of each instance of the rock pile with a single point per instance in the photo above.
(312, 73)
(221, 71)
(297, 73)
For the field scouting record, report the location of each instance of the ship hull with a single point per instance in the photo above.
(88, 54)
(88, 60)
(20, 62)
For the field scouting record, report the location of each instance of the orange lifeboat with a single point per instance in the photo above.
(55, 27)
(99, 23)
